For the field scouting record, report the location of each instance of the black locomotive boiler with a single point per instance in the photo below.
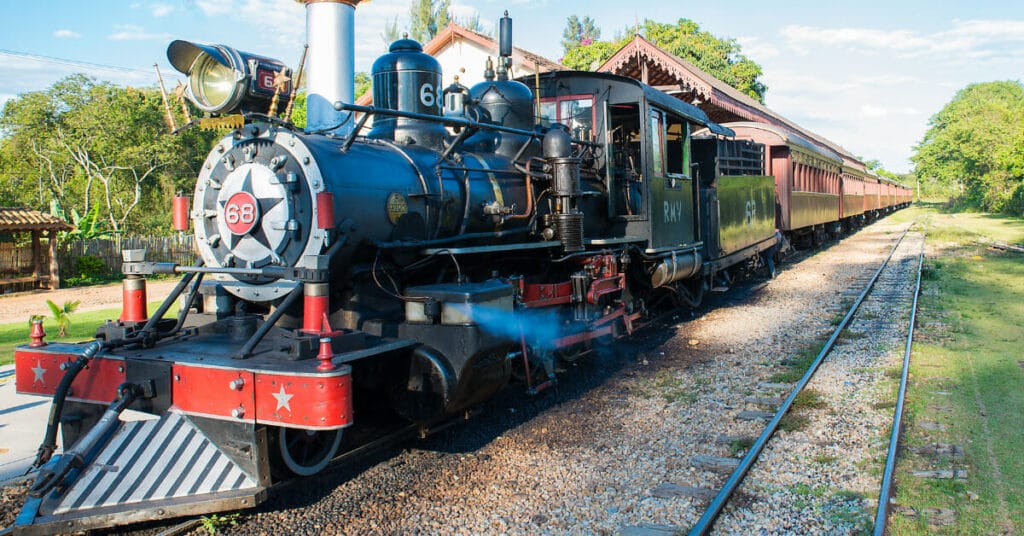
(346, 277)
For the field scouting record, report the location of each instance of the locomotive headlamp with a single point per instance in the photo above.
(223, 80)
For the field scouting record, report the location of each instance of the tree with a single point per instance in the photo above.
(83, 143)
(391, 33)
(62, 314)
(427, 17)
(974, 147)
(720, 57)
(361, 82)
(579, 32)
(589, 57)
(472, 23)
(876, 166)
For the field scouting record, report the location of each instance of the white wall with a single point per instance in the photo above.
(472, 57)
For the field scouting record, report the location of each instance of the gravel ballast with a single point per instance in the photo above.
(596, 457)
(611, 450)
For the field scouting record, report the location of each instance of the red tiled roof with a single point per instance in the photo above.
(722, 102)
(25, 219)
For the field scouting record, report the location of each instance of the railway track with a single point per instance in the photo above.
(883, 287)
(369, 497)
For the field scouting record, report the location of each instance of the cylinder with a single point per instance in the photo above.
(675, 267)
(315, 304)
(324, 210)
(331, 64)
(133, 296)
(569, 230)
(566, 172)
(179, 212)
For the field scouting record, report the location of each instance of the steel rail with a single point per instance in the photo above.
(882, 515)
(707, 520)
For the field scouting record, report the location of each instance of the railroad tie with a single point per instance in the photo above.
(942, 474)
(939, 450)
(669, 490)
(723, 439)
(936, 517)
(773, 401)
(650, 529)
(755, 416)
(715, 464)
(769, 386)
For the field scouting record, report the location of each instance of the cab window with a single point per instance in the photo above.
(670, 152)
(575, 112)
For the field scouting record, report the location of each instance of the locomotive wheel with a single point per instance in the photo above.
(295, 452)
(536, 368)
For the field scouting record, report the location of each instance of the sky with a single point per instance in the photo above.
(868, 74)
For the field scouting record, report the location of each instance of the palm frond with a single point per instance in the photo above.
(54, 309)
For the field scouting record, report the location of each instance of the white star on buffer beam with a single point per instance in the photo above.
(282, 399)
(39, 371)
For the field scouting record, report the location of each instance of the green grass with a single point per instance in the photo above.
(794, 422)
(796, 367)
(737, 446)
(978, 296)
(83, 327)
(809, 398)
(824, 459)
(672, 387)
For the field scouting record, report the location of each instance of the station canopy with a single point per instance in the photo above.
(642, 60)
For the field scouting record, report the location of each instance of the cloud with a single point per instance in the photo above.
(213, 8)
(34, 73)
(870, 111)
(812, 82)
(463, 11)
(966, 40)
(757, 49)
(283, 23)
(66, 34)
(131, 32)
(161, 10)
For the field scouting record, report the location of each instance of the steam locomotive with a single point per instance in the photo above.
(472, 237)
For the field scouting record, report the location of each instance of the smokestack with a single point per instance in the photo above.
(330, 33)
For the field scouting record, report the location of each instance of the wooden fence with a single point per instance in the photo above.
(176, 249)
(17, 259)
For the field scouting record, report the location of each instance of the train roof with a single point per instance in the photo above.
(787, 137)
(854, 165)
(653, 95)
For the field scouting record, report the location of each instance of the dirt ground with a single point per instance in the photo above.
(18, 306)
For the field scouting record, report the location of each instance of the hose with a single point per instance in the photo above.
(49, 444)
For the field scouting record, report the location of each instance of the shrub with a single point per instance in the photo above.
(91, 266)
